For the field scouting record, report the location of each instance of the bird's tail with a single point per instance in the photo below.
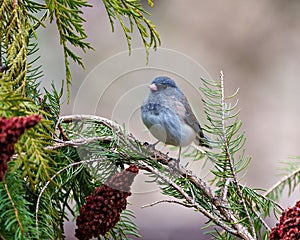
(203, 141)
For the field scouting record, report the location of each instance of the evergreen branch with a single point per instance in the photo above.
(229, 156)
(292, 180)
(32, 8)
(14, 206)
(14, 27)
(15, 213)
(124, 227)
(224, 124)
(34, 73)
(260, 207)
(18, 97)
(35, 160)
(122, 9)
(69, 23)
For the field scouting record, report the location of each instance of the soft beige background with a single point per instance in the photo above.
(256, 44)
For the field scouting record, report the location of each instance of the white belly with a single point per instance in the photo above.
(187, 135)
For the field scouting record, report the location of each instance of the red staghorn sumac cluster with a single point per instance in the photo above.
(10, 131)
(102, 209)
(288, 227)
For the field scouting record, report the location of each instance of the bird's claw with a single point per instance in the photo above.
(177, 161)
(149, 146)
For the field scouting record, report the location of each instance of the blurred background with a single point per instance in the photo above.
(256, 44)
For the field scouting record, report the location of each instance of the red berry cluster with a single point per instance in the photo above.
(102, 209)
(10, 131)
(289, 226)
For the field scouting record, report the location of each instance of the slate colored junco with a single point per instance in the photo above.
(168, 115)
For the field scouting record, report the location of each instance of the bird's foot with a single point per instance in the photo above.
(146, 144)
(150, 146)
(176, 162)
(151, 149)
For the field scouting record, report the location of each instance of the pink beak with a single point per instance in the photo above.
(153, 87)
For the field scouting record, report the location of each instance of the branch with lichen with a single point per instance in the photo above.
(219, 213)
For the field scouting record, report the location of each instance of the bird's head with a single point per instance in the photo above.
(161, 83)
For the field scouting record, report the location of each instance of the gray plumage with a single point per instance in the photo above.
(167, 114)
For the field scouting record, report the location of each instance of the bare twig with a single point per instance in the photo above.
(225, 189)
(75, 118)
(169, 201)
(116, 128)
(199, 149)
(1, 237)
(62, 132)
(78, 142)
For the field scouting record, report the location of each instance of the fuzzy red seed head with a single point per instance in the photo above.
(288, 227)
(102, 209)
